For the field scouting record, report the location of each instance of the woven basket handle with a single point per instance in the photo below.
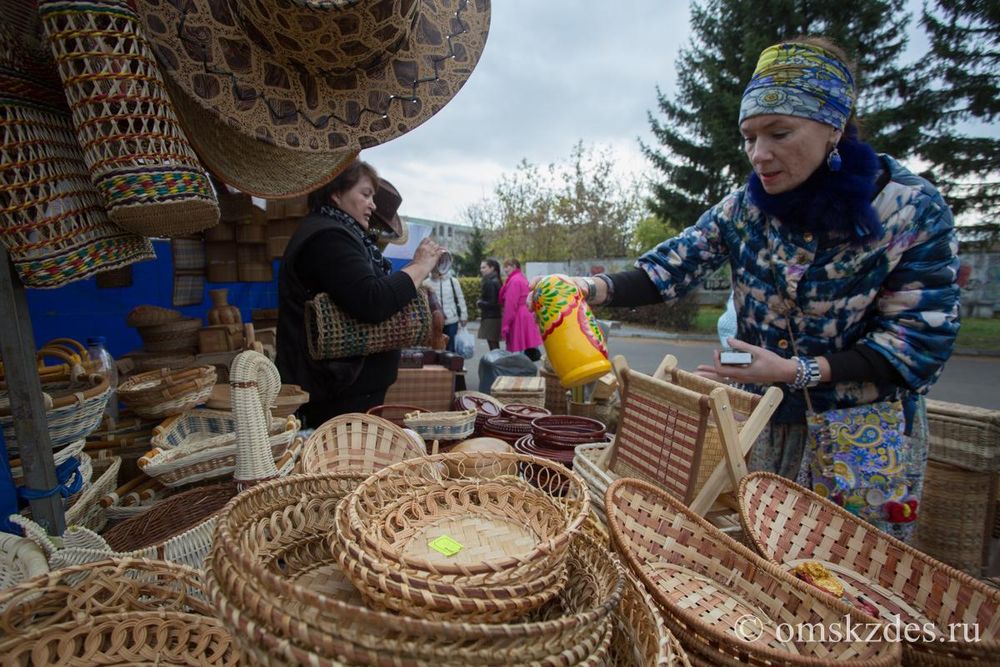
(71, 345)
(72, 362)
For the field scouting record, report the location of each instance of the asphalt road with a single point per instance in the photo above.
(968, 380)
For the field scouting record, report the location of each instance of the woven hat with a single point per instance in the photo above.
(278, 96)
(389, 228)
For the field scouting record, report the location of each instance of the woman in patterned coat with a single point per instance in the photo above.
(844, 272)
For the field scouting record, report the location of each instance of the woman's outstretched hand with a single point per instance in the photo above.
(765, 367)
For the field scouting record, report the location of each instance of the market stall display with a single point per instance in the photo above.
(788, 525)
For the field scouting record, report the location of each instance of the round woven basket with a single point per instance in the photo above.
(280, 591)
(148, 316)
(641, 637)
(359, 443)
(452, 536)
(138, 156)
(122, 611)
(175, 337)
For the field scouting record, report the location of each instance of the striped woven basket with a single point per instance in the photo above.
(789, 524)
(139, 158)
(54, 224)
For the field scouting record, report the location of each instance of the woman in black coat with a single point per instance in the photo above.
(333, 251)
(489, 303)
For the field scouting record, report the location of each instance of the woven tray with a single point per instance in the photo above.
(788, 524)
(281, 587)
(442, 425)
(124, 611)
(723, 602)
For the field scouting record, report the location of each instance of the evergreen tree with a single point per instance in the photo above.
(467, 264)
(701, 154)
(964, 62)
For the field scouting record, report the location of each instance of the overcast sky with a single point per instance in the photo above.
(553, 72)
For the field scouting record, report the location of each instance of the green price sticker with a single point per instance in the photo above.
(445, 545)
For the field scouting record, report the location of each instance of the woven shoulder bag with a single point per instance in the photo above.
(333, 334)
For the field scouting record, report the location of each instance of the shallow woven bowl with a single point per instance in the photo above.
(122, 611)
(279, 590)
(395, 509)
(357, 442)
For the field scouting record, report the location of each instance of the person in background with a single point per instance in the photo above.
(489, 303)
(518, 327)
(449, 292)
(844, 269)
(333, 251)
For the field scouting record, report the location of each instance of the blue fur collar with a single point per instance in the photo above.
(832, 204)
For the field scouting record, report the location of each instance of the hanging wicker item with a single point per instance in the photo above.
(138, 156)
(52, 220)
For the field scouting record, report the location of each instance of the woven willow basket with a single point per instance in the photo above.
(171, 337)
(54, 224)
(138, 156)
(511, 516)
(278, 588)
(725, 604)
(964, 435)
(20, 560)
(333, 334)
(163, 393)
(357, 442)
(74, 404)
(641, 637)
(788, 524)
(455, 425)
(123, 611)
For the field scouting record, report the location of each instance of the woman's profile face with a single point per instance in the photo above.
(358, 202)
(485, 269)
(785, 150)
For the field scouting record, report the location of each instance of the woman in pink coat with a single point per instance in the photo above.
(518, 328)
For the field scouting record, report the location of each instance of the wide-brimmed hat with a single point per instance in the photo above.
(389, 226)
(278, 96)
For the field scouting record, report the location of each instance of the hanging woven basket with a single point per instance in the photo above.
(139, 158)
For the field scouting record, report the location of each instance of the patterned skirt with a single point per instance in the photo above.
(782, 449)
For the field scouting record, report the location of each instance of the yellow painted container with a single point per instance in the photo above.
(575, 345)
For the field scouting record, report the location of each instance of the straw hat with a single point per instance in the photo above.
(278, 96)
(390, 228)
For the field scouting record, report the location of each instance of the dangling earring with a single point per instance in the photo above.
(833, 160)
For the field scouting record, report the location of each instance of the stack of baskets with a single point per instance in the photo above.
(165, 331)
(452, 536)
(555, 437)
(164, 393)
(485, 406)
(281, 594)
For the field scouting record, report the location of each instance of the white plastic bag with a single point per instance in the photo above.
(465, 343)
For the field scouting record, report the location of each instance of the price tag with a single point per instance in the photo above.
(445, 545)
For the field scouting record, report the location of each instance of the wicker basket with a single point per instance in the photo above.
(964, 435)
(123, 611)
(20, 560)
(139, 158)
(290, 398)
(510, 534)
(357, 443)
(54, 224)
(275, 584)
(555, 394)
(456, 425)
(201, 444)
(150, 316)
(74, 402)
(164, 393)
(86, 510)
(175, 338)
(514, 389)
(334, 334)
(723, 602)
(788, 524)
(641, 637)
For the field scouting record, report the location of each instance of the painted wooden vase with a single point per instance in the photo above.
(575, 345)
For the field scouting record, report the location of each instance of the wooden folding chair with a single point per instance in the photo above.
(687, 434)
